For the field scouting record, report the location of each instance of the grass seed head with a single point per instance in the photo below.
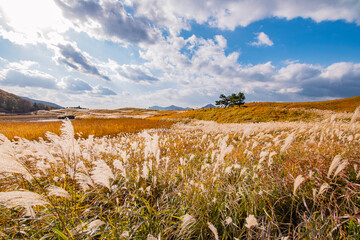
(298, 180)
(251, 221)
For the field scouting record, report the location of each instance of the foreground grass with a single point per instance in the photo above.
(245, 114)
(85, 127)
(197, 181)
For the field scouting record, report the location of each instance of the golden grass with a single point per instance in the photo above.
(97, 127)
(266, 111)
(339, 105)
(294, 180)
(245, 114)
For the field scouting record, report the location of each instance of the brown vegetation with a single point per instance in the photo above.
(97, 127)
(10, 103)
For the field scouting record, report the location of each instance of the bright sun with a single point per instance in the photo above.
(30, 17)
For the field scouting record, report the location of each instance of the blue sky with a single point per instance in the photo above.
(138, 53)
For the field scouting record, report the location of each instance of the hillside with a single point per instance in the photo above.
(43, 102)
(10, 103)
(339, 105)
(172, 107)
(269, 111)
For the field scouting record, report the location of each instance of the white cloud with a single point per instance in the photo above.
(262, 40)
(103, 91)
(28, 78)
(107, 19)
(23, 74)
(74, 59)
(136, 73)
(74, 85)
(228, 14)
(198, 63)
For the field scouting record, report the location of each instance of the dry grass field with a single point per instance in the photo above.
(194, 180)
(97, 127)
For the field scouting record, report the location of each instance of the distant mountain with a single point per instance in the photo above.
(43, 102)
(208, 106)
(10, 103)
(172, 107)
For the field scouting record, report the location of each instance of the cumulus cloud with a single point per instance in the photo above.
(202, 63)
(136, 73)
(25, 74)
(103, 91)
(27, 78)
(337, 80)
(107, 19)
(232, 13)
(183, 60)
(74, 85)
(262, 40)
(74, 59)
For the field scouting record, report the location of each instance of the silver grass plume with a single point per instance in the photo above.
(67, 130)
(214, 230)
(228, 220)
(58, 191)
(337, 163)
(101, 174)
(93, 226)
(151, 237)
(356, 115)
(119, 166)
(10, 165)
(84, 181)
(22, 199)
(323, 188)
(288, 141)
(187, 221)
(298, 180)
(251, 221)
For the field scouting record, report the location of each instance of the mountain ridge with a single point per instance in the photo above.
(54, 105)
(13, 104)
(171, 107)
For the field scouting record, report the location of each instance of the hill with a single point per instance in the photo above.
(209, 106)
(339, 105)
(269, 111)
(10, 103)
(43, 102)
(172, 107)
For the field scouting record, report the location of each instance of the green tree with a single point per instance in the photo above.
(223, 102)
(237, 99)
(231, 100)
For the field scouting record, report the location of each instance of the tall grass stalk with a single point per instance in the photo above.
(239, 181)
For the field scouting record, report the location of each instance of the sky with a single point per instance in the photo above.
(111, 54)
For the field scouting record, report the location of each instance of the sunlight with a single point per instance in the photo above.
(32, 17)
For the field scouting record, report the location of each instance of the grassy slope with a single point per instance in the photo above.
(10, 103)
(269, 111)
(247, 114)
(339, 105)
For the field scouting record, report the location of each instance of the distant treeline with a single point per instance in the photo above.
(10, 103)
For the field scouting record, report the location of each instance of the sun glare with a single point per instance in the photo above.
(30, 17)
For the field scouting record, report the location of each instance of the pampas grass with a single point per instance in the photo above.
(298, 180)
(101, 174)
(58, 191)
(213, 230)
(251, 221)
(22, 199)
(198, 180)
